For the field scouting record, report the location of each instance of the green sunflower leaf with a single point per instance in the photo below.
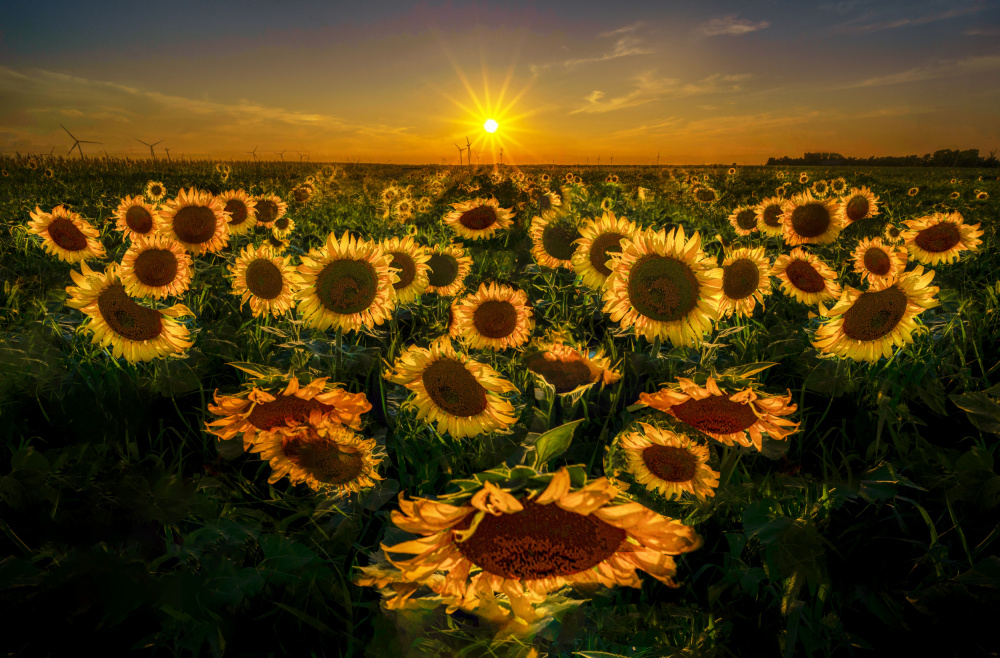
(553, 443)
(982, 410)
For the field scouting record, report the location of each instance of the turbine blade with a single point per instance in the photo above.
(67, 132)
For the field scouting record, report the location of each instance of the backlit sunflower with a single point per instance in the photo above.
(663, 285)
(136, 218)
(195, 218)
(705, 194)
(803, 178)
(865, 325)
(553, 242)
(805, 277)
(955, 195)
(66, 234)
(731, 171)
(411, 260)
(133, 331)
(940, 238)
(808, 220)
(781, 191)
(156, 266)
(463, 397)
(242, 209)
(769, 212)
(668, 463)
(448, 267)
(155, 191)
(270, 208)
(913, 191)
(838, 185)
(548, 203)
(321, 453)
(742, 416)
(820, 188)
(495, 317)
(892, 234)
(744, 220)
(878, 262)
(282, 227)
(858, 204)
(982, 196)
(566, 368)
(746, 279)
(264, 279)
(257, 410)
(346, 284)
(478, 219)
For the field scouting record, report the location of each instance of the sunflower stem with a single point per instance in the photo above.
(340, 351)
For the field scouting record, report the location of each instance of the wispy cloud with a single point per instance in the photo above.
(943, 68)
(732, 26)
(626, 44)
(650, 88)
(866, 24)
(987, 31)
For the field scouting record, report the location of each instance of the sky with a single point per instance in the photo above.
(629, 82)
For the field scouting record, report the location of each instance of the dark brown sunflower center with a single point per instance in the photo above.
(156, 190)
(603, 245)
(325, 460)
(125, 317)
(662, 288)
(347, 286)
(194, 224)
(276, 413)
(495, 318)
(453, 388)
(811, 220)
(670, 463)
(740, 278)
(155, 267)
(541, 541)
(281, 224)
(894, 232)
(805, 277)
(716, 414)
(65, 234)
(238, 212)
(139, 220)
(301, 194)
(857, 208)
(937, 238)
(267, 211)
(877, 261)
(544, 202)
(479, 218)
(264, 278)
(747, 219)
(558, 241)
(704, 194)
(772, 215)
(564, 376)
(875, 314)
(819, 187)
(406, 266)
(443, 270)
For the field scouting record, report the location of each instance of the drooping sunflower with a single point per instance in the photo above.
(270, 208)
(913, 191)
(66, 234)
(865, 325)
(746, 279)
(346, 284)
(769, 212)
(548, 203)
(242, 209)
(136, 217)
(553, 242)
(740, 417)
(155, 191)
(857, 205)
(569, 369)
(321, 453)
(495, 317)
(803, 178)
(805, 277)
(255, 410)
(411, 260)
(705, 194)
(808, 220)
(448, 267)
(838, 185)
(668, 463)
(265, 279)
(133, 331)
(820, 188)
(195, 218)
(664, 285)
(463, 397)
(478, 219)
(744, 220)
(940, 238)
(156, 266)
(606, 205)
(878, 262)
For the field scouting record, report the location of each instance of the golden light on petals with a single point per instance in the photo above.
(805, 277)
(858, 204)
(137, 217)
(599, 240)
(156, 266)
(447, 268)
(494, 317)
(878, 262)
(266, 280)
(668, 463)
(808, 220)
(553, 242)
(568, 368)
(196, 219)
(270, 208)
(411, 260)
(242, 210)
(769, 213)
(940, 238)
(744, 220)
(746, 280)
(155, 191)
(478, 219)
(66, 234)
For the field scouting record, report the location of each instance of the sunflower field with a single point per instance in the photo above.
(262, 409)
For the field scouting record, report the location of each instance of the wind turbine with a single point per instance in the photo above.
(151, 152)
(253, 153)
(280, 155)
(168, 154)
(501, 156)
(77, 143)
(468, 149)
(460, 149)
(302, 155)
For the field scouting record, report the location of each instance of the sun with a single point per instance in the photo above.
(490, 126)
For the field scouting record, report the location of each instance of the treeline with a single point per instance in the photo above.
(942, 158)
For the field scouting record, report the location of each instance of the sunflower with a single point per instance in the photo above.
(320, 452)
(731, 171)
(279, 246)
(838, 185)
(411, 260)
(155, 191)
(857, 205)
(805, 277)
(803, 178)
(282, 227)
(739, 417)
(606, 205)
(302, 193)
(877, 262)
(548, 202)
(820, 188)
(781, 191)
(954, 195)
(448, 267)
(478, 219)
(913, 191)
(570, 177)
(982, 195)
(32, 164)
(808, 220)
(133, 331)
(664, 286)
(705, 195)
(567, 369)
(242, 211)
(156, 266)
(940, 238)
(495, 317)
(4, 173)
(781, 175)
(49, 173)
(553, 242)
(196, 219)
(612, 179)
(270, 208)
(892, 234)
(668, 463)
(137, 218)
(953, 181)
(463, 397)
(544, 178)
(769, 212)
(403, 209)
(744, 220)
(267, 280)
(346, 284)
(258, 410)
(746, 279)
(66, 234)
(865, 325)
